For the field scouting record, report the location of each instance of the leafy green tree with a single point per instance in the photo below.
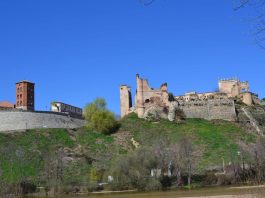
(91, 108)
(103, 121)
(99, 118)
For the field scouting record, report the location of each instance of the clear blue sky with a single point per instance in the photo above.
(76, 51)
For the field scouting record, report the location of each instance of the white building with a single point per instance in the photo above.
(65, 108)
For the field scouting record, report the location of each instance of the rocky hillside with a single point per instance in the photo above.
(251, 118)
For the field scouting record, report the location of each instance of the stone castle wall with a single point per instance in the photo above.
(211, 109)
(19, 120)
(209, 105)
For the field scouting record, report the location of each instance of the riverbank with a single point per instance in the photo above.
(210, 192)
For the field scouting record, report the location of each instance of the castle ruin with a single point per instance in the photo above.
(210, 105)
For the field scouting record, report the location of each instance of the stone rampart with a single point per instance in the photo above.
(223, 109)
(19, 120)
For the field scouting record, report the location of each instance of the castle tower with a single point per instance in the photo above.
(140, 97)
(25, 95)
(247, 98)
(233, 87)
(125, 100)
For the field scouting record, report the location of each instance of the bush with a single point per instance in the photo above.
(225, 180)
(165, 181)
(28, 187)
(92, 187)
(91, 108)
(133, 171)
(103, 121)
(153, 185)
(99, 118)
(210, 179)
(116, 186)
(148, 184)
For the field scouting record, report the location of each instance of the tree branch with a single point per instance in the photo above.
(147, 2)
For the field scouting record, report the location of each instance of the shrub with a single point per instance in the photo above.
(91, 108)
(133, 171)
(153, 185)
(225, 180)
(91, 187)
(180, 115)
(171, 97)
(99, 118)
(27, 187)
(103, 121)
(210, 179)
(165, 182)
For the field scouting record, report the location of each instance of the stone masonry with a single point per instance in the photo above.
(210, 105)
(21, 120)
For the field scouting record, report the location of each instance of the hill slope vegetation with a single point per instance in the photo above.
(63, 159)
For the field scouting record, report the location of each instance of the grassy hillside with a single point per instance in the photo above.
(31, 154)
(81, 156)
(217, 139)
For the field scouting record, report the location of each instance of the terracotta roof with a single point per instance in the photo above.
(6, 104)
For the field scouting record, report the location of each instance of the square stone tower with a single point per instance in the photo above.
(25, 95)
(233, 87)
(125, 100)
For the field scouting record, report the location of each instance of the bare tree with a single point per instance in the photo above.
(189, 157)
(162, 154)
(258, 18)
(259, 156)
(53, 170)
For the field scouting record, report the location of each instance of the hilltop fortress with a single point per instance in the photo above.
(212, 105)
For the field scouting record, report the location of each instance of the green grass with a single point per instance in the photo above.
(96, 143)
(218, 140)
(22, 154)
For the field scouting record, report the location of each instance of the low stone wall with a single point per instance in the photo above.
(223, 109)
(19, 120)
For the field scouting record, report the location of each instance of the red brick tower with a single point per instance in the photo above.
(25, 95)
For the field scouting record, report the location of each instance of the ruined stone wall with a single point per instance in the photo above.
(19, 120)
(210, 105)
(247, 98)
(146, 96)
(211, 109)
